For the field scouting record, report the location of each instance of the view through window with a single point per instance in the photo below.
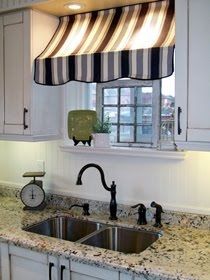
(136, 109)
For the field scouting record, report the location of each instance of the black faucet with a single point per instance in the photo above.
(142, 214)
(159, 210)
(112, 189)
(84, 206)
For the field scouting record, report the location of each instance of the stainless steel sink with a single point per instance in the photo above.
(66, 228)
(121, 239)
(95, 234)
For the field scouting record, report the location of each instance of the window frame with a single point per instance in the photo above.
(156, 106)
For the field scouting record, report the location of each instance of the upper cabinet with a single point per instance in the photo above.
(27, 111)
(192, 130)
(6, 5)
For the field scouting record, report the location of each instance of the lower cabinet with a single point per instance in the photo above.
(86, 272)
(17, 263)
(126, 277)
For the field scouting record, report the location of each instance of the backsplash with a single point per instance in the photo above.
(60, 202)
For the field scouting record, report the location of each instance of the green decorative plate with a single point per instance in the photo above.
(80, 125)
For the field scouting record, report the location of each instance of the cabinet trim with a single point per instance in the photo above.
(28, 254)
(181, 67)
(5, 263)
(13, 18)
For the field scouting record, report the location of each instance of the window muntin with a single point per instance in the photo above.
(133, 119)
(163, 132)
(134, 110)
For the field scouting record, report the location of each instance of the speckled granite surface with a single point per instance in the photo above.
(182, 253)
(124, 211)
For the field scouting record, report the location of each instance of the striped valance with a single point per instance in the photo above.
(134, 41)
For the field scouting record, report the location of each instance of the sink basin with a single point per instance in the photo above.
(122, 239)
(95, 234)
(66, 228)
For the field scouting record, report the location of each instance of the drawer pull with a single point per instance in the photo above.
(50, 270)
(179, 126)
(62, 269)
(24, 118)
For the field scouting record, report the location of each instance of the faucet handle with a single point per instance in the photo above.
(157, 216)
(84, 206)
(142, 214)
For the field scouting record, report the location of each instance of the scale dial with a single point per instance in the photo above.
(32, 195)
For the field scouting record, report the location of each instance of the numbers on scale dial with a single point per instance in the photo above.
(32, 195)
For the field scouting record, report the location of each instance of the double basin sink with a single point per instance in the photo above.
(96, 234)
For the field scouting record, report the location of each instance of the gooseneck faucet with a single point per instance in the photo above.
(112, 189)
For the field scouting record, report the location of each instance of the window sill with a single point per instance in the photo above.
(123, 151)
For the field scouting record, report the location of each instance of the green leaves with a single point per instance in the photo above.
(102, 127)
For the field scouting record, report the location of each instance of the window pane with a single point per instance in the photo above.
(110, 95)
(127, 96)
(111, 112)
(167, 117)
(113, 135)
(144, 95)
(167, 130)
(144, 115)
(126, 133)
(126, 115)
(144, 133)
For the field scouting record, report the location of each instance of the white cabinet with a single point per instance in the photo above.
(6, 5)
(27, 111)
(18, 264)
(124, 276)
(81, 271)
(63, 269)
(192, 74)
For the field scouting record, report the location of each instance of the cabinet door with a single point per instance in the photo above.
(18, 264)
(181, 70)
(87, 272)
(63, 269)
(199, 71)
(13, 31)
(192, 74)
(28, 111)
(124, 276)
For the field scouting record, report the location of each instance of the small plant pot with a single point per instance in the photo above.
(101, 140)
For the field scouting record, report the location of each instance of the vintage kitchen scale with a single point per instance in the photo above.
(32, 194)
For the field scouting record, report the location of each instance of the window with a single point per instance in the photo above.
(141, 112)
(133, 110)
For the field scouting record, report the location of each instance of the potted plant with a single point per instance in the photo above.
(101, 131)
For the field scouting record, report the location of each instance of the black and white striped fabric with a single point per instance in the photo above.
(134, 41)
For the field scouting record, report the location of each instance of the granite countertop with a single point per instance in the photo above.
(181, 253)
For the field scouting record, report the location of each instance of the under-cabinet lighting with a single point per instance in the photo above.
(74, 6)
